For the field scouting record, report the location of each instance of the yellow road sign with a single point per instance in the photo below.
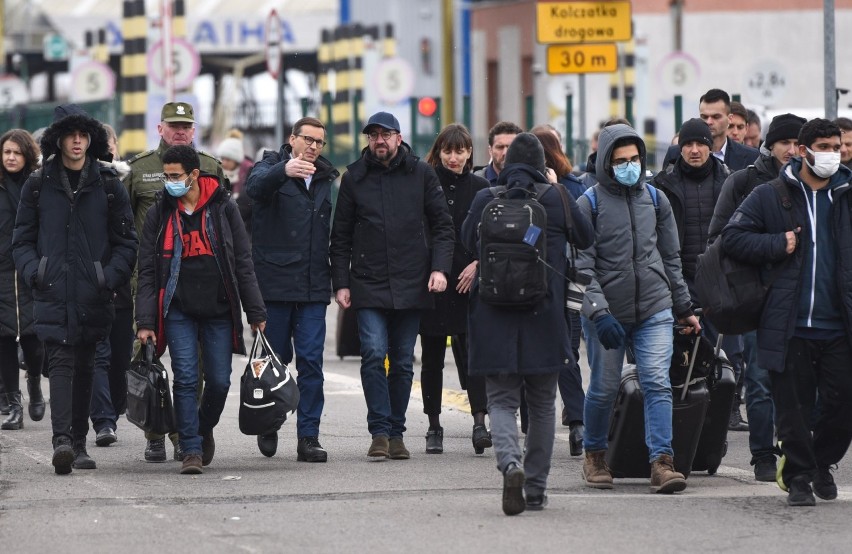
(571, 22)
(582, 58)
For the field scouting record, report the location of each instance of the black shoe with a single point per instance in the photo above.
(481, 439)
(513, 490)
(823, 483)
(800, 493)
(105, 437)
(208, 448)
(178, 456)
(4, 402)
(536, 502)
(575, 439)
(36, 405)
(735, 421)
(155, 451)
(268, 444)
(309, 449)
(15, 420)
(81, 457)
(435, 440)
(63, 456)
(765, 469)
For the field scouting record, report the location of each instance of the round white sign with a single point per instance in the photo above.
(186, 63)
(678, 73)
(274, 57)
(394, 80)
(13, 91)
(765, 83)
(92, 81)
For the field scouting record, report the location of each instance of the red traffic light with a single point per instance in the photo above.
(427, 106)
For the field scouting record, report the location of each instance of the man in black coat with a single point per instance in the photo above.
(391, 246)
(781, 145)
(803, 235)
(75, 243)
(291, 221)
(714, 108)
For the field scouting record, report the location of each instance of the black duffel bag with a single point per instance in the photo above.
(149, 401)
(267, 390)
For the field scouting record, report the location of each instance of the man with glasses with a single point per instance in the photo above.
(391, 246)
(291, 221)
(145, 180)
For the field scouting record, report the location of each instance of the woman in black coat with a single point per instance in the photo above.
(450, 156)
(20, 158)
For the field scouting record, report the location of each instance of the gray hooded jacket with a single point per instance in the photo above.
(635, 261)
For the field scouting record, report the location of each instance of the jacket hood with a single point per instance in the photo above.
(72, 118)
(606, 143)
(519, 175)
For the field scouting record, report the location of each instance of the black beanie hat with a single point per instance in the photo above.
(526, 149)
(695, 130)
(784, 126)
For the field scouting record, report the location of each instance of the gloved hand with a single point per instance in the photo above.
(610, 332)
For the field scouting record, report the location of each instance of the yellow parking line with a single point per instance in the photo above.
(450, 398)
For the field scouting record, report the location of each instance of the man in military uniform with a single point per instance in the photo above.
(177, 126)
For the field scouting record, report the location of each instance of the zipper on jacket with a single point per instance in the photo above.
(635, 253)
(17, 310)
(812, 215)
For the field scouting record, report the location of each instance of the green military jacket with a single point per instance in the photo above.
(145, 179)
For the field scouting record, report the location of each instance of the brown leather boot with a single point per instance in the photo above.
(595, 471)
(664, 479)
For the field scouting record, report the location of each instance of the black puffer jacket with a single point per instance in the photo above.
(692, 220)
(75, 249)
(16, 298)
(383, 223)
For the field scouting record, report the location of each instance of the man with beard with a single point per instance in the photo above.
(499, 138)
(391, 246)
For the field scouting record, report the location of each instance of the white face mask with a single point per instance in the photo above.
(825, 163)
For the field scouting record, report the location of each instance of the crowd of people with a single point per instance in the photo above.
(174, 245)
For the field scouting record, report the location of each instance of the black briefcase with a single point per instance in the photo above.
(149, 401)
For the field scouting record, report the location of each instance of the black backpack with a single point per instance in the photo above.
(512, 248)
(731, 292)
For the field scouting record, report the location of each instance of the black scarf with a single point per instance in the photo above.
(695, 173)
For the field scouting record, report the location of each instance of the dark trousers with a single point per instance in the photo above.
(109, 382)
(570, 379)
(10, 370)
(811, 367)
(71, 370)
(434, 349)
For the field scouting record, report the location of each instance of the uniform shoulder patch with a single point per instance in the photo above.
(211, 156)
(141, 155)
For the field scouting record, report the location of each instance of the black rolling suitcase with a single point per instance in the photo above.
(627, 455)
(348, 342)
(713, 444)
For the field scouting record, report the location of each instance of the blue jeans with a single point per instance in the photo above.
(392, 333)
(183, 334)
(760, 408)
(652, 342)
(301, 327)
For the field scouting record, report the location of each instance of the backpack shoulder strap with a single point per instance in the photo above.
(783, 194)
(592, 194)
(653, 192)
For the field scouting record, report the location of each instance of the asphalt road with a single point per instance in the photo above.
(245, 502)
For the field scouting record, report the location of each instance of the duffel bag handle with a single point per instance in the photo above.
(266, 346)
(150, 351)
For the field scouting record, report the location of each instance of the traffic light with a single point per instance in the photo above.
(427, 106)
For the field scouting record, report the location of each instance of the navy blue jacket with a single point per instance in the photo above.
(737, 156)
(533, 341)
(290, 229)
(756, 233)
(75, 249)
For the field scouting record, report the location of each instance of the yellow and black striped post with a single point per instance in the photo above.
(134, 79)
(630, 80)
(614, 90)
(179, 19)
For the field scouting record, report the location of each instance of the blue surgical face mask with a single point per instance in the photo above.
(627, 173)
(177, 188)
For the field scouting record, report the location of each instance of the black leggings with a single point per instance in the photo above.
(434, 349)
(10, 370)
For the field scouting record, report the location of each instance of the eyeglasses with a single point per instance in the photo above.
(386, 135)
(310, 141)
(172, 177)
(622, 163)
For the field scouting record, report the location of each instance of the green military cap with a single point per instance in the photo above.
(177, 112)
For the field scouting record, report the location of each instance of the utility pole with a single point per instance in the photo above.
(830, 82)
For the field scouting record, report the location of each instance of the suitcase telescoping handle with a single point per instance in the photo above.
(691, 366)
